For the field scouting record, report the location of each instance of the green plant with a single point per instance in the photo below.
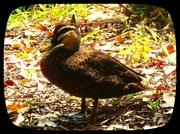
(30, 103)
(138, 50)
(40, 12)
(153, 104)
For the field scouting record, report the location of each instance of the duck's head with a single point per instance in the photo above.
(65, 36)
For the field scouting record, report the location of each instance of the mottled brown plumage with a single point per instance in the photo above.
(85, 72)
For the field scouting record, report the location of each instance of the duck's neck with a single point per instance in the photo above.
(61, 53)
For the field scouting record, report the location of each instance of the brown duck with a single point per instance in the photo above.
(85, 72)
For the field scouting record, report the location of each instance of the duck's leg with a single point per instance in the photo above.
(83, 106)
(80, 116)
(94, 109)
(82, 113)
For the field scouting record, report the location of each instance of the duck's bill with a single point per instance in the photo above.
(48, 47)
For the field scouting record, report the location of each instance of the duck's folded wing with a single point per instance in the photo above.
(106, 65)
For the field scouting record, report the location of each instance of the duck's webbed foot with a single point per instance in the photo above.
(81, 116)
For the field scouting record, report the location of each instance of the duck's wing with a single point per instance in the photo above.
(100, 66)
(107, 65)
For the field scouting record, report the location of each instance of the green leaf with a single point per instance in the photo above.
(146, 48)
(115, 100)
(21, 54)
(128, 112)
(151, 104)
(90, 34)
(29, 71)
(74, 98)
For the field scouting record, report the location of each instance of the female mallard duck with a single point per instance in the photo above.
(85, 72)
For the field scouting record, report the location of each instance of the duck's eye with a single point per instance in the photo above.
(63, 31)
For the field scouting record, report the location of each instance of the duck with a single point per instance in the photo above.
(85, 72)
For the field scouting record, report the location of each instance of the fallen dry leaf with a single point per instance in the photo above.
(16, 105)
(16, 46)
(26, 49)
(169, 69)
(9, 82)
(169, 98)
(24, 80)
(9, 67)
(170, 48)
(19, 119)
(119, 38)
(41, 27)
